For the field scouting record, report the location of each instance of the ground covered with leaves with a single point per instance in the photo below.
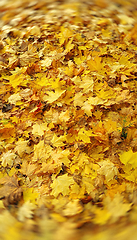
(68, 127)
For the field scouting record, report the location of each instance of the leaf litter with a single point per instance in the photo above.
(68, 129)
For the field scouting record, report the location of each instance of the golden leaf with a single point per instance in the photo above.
(61, 184)
(53, 96)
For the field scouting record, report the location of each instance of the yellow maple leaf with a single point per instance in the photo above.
(99, 132)
(41, 152)
(38, 129)
(14, 119)
(110, 125)
(14, 98)
(87, 108)
(83, 159)
(15, 81)
(106, 94)
(70, 69)
(129, 158)
(96, 100)
(58, 141)
(116, 207)
(12, 172)
(108, 169)
(75, 191)
(130, 174)
(95, 64)
(98, 114)
(43, 81)
(59, 203)
(87, 182)
(18, 77)
(64, 116)
(25, 211)
(30, 195)
(8, 158)
(72, 208)
(60, 156)
(88, 171)
(87, 84)
(79, 60)
(84, 135)
(50, 167)
(125, 62)
(69, 46)
(46, 62)
(101, 215)
(64, 34)
(22, 147)
(61, 184)
(27, 168)
(53, 96)
(79, 99)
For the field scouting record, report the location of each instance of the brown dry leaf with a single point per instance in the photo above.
(10, 191)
